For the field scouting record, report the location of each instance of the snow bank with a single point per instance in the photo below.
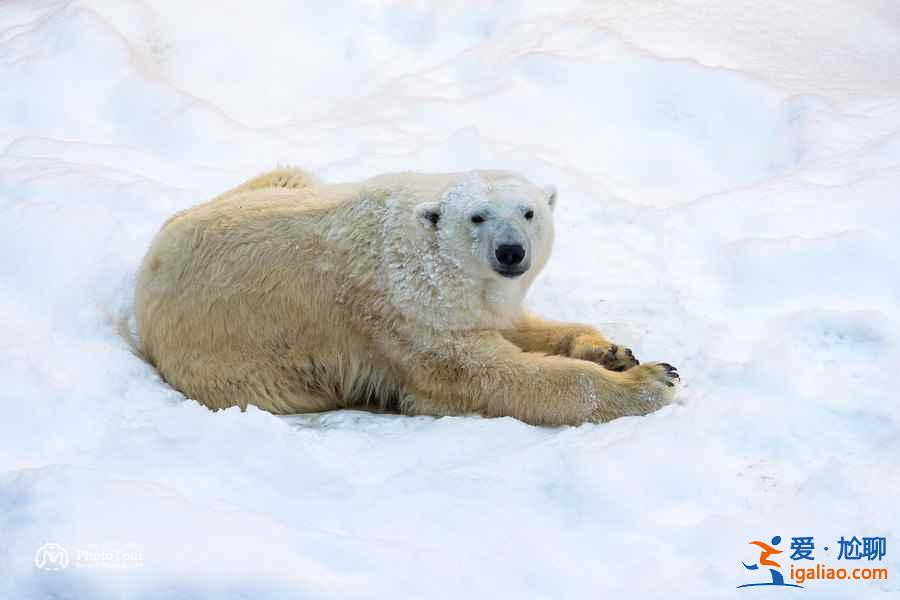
(728, 177)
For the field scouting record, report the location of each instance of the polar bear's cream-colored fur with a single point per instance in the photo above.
(403, 292)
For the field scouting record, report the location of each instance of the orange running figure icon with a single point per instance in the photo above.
(767, 551)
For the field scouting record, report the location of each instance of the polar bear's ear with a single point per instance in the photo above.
(428, 214)
(551, 194)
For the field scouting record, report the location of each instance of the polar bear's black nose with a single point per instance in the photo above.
(510, 255)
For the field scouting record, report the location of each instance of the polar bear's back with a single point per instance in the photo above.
(234, 295)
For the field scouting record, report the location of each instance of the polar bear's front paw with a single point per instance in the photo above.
(663, 373)
(618, 358)
(598, 350)
(655, 384)
(639, 391)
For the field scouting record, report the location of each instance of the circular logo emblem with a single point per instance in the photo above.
(51, 557)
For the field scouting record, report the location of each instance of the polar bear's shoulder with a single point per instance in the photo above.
(288, 177)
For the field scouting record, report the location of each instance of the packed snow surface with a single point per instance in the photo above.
(729, 177)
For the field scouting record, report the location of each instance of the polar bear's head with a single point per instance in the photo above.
(491, 224)
(461, 249)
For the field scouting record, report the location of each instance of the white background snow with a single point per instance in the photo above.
(729, 175)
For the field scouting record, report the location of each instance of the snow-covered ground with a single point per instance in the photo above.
(729, 176)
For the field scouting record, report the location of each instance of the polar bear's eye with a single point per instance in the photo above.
(477, 219)
(529, 214)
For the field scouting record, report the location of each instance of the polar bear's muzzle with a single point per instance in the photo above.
(510, 259)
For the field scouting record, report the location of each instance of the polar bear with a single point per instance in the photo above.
(403, 292)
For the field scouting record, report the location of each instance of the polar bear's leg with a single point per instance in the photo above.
(272, 385)
(486, 374)
(534, 334)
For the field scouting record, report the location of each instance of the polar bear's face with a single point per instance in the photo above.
(493, 225)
